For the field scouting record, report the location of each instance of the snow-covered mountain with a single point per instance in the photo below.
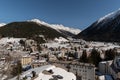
(57, 26)
(106, 28)
(33, 28)
(28, 30)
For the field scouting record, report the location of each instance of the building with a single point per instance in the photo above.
(104, 67)
(83, 70)
(111, 67)
(25, 60)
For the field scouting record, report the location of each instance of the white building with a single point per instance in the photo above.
(111, 67)
(104, 67)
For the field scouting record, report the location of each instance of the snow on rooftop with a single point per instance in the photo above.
(58, 71)
(35, 52)
(104, 62)
(41, 61)
(102, 77)
(42, 76)
(26, 56)
(105, 77)
(107, 62)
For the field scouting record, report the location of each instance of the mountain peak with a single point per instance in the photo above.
(38, 21)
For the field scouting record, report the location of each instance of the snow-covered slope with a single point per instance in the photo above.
(2, 24)
(110, 16)
(56, 26)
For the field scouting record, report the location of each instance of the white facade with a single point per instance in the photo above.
(87, 72)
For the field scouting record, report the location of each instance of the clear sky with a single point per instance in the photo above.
(73, 13)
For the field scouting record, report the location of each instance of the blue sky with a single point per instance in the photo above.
(73, 13)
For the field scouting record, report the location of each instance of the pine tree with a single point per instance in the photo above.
(22, 42)
(39, 47)
(84, 58)
(17, 69)
(68, 67)
(94, 57)
(110, 54)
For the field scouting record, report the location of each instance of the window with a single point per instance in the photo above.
(76, 66)
(89, 67)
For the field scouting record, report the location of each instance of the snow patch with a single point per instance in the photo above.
(61, 39)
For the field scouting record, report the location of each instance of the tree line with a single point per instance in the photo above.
(94, 57)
